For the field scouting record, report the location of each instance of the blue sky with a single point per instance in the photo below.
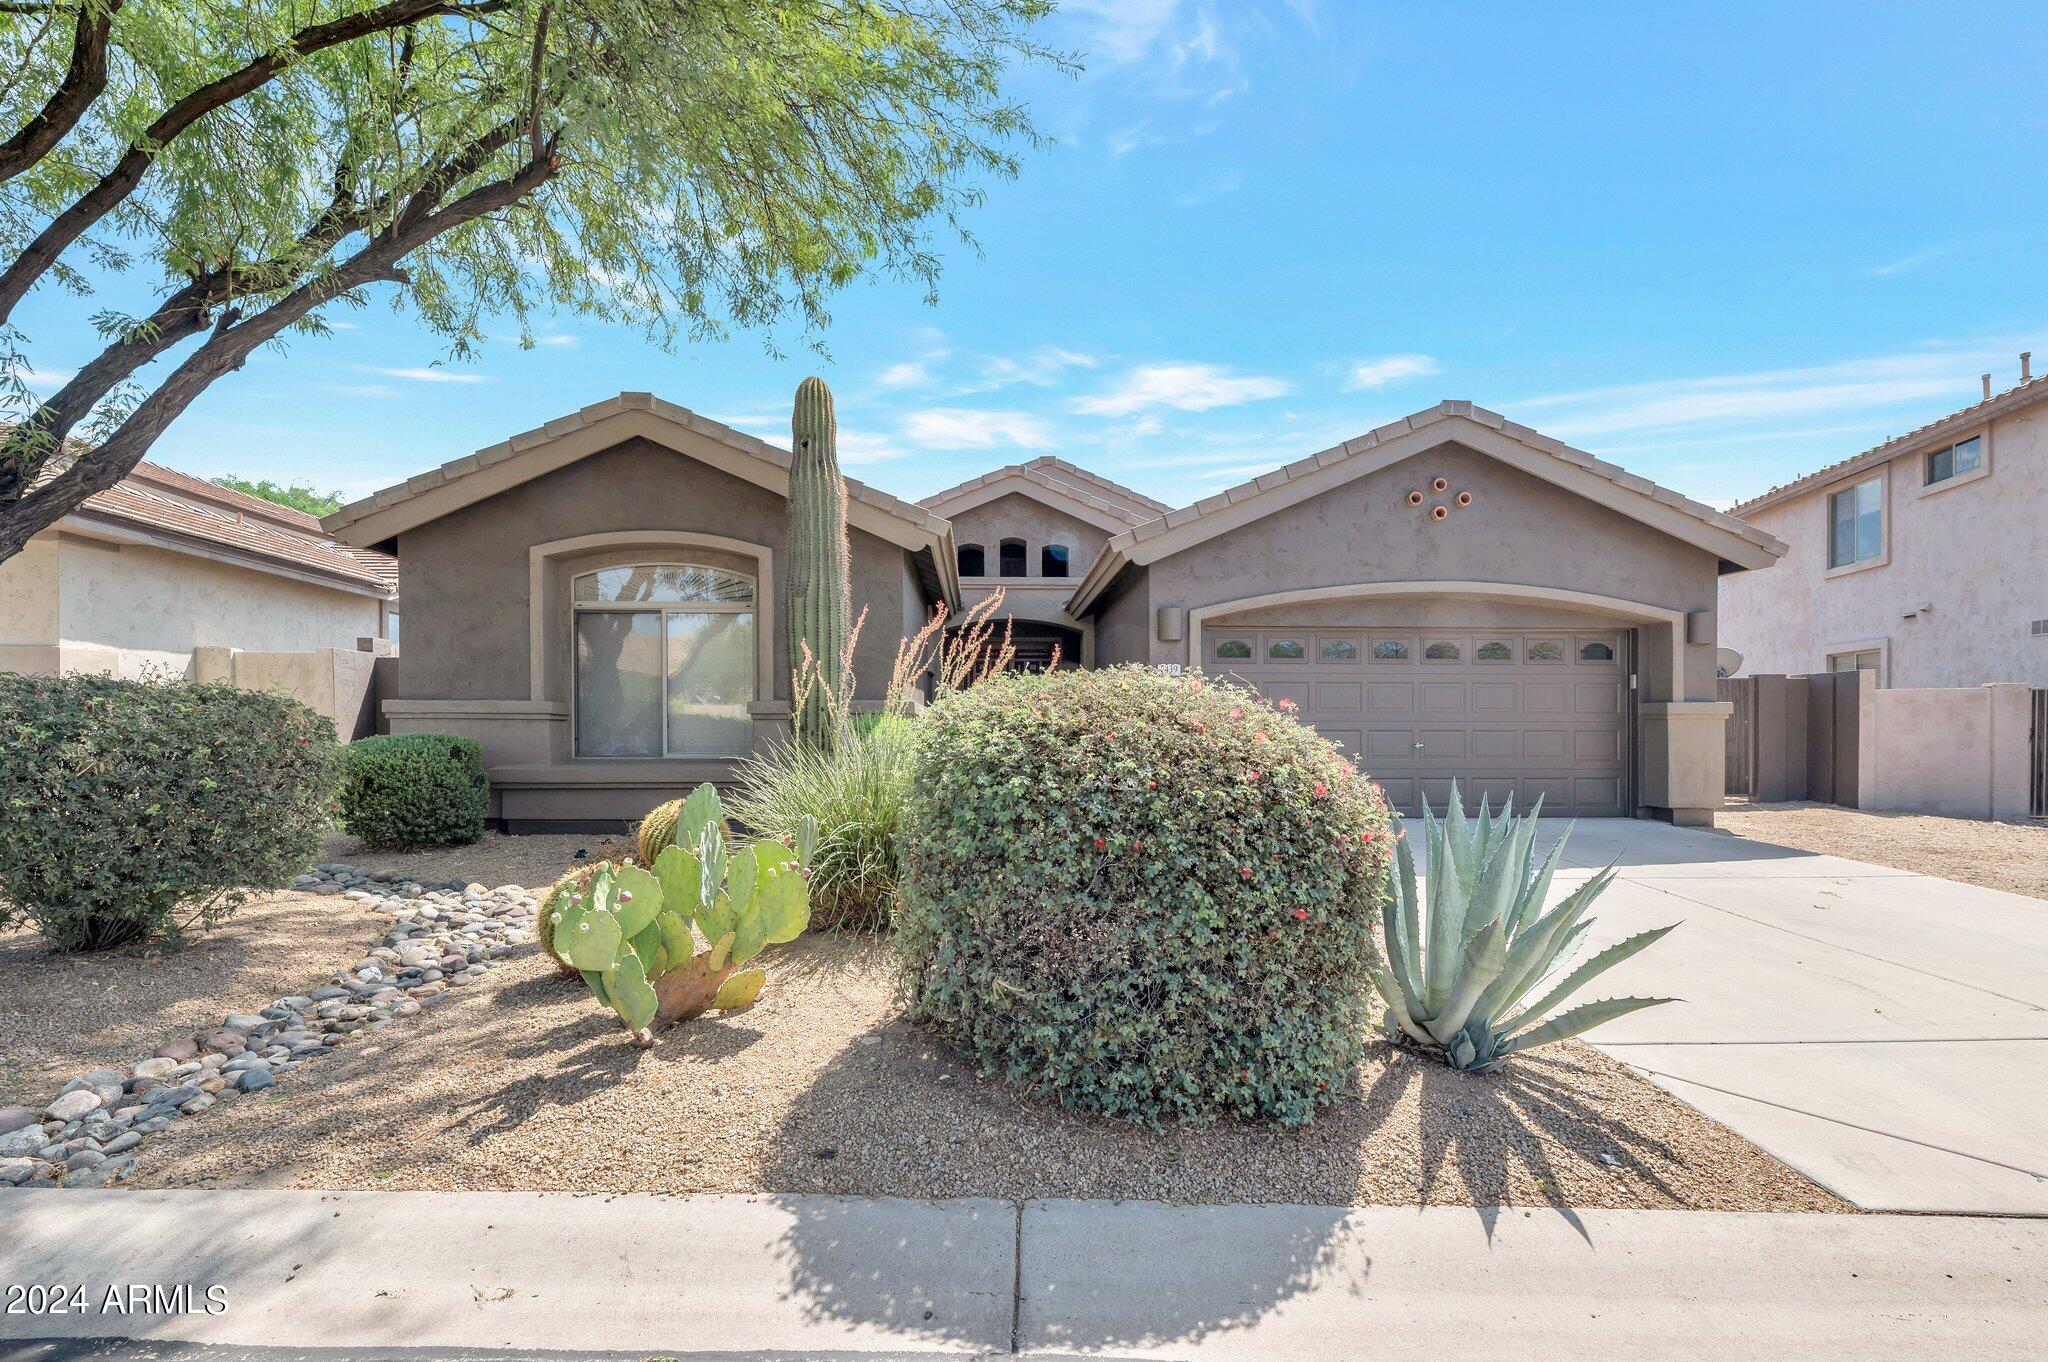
(1721, 245)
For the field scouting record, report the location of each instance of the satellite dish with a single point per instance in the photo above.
(1727, 662)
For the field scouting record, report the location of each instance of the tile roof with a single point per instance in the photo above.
(164, 501)
(1430, 416)
(455, 469)
(1112, 498)
(1932, 434)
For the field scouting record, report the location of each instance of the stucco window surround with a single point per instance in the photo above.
(1881, 646)
(552, 568)
(1919, 464)
(1880, 476)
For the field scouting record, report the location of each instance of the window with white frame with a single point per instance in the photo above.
(664, 661)
(1856, 523)
(1964, 456)
(1861, 660)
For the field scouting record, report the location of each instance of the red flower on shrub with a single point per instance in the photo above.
(1098, 844)
(1237, 712)
(1300, 915)
(1287, 706)
(1246, 872)
(1322, 790)
(1151, 784)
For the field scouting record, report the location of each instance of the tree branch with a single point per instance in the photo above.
(83, 82)
(117, 184)
(231, 345)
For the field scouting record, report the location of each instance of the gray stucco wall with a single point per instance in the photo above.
(464, 577)
(1518, 529)
(1019, 517)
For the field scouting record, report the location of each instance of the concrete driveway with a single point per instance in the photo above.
(1885, 1033)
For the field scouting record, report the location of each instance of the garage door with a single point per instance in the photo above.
(1522, 712)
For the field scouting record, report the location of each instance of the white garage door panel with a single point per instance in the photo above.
(1516, 712)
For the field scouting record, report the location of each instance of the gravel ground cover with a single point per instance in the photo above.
(524, 1082)
(63, 1014)
(2008, 856)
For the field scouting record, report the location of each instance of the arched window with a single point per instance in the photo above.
(664, 661)
(973, 561)
(1010, 558)
(1052, 560)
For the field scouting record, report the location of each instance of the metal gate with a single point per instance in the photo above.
(2039, 803)
(1741, 734)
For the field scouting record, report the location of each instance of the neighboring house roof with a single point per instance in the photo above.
(1086, 496)
(184, 514)
(1930, 436)
(1736, 543)
(378, 520)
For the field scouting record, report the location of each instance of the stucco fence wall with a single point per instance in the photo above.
(1957, 751)
(340, 683)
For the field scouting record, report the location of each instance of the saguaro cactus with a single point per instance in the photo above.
(816, 598)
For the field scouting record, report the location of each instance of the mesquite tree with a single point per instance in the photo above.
(687, 165)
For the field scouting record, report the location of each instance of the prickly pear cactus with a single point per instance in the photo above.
(678, 820)
(628, 931)
(571, 886)
(815, 590)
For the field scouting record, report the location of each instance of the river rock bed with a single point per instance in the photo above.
(440, 937)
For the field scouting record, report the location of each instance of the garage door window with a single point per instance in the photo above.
(1389, 650)
(1545, 650)
(1496, 650)
(1233, 650)
(1596, 651)
(1442, 650)
(1339, 650)
(1285, 650)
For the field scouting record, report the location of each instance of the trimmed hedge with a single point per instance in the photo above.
(129, 809)
(1148, 896)
(415, 790)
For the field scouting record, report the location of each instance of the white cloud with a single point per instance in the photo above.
(1737, 400)
(858, 447)
(1377, 373)
(1041, 367)
(909, 374)
(1123, 30)
(1182, 386)
(40, 380)
(964, 428)
(430, 375)
(1910, 261)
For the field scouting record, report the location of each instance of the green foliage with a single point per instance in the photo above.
(299, 496)
(1147, 896)
(627, 930)
(129, 810)
(559, 895)
(816, 599)
(415, 790)
(686, 168)
(678, 818)
(854, 792)
(1459, 965)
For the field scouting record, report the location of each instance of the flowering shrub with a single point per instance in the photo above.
(128, 809)
(1148, 896)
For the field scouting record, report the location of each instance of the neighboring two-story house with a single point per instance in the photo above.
(1924, 559)
(1034, 530)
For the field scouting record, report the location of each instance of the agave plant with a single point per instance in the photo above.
(1459, 967)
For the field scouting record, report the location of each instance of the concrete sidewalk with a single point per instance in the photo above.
(416, 1275)
(1885, 1033)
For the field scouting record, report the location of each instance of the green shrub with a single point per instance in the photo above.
(855, 790)
(1147, 896)
(415, 790)
(130, 810)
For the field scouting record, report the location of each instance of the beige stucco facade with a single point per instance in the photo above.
(100, 600)
(1951, 598)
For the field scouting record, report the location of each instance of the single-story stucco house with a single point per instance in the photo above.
(165, 573)
(1452, 596)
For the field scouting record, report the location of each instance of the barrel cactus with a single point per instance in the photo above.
(678, 820)
(1458, 968)
(816, 598)
(629, 934)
